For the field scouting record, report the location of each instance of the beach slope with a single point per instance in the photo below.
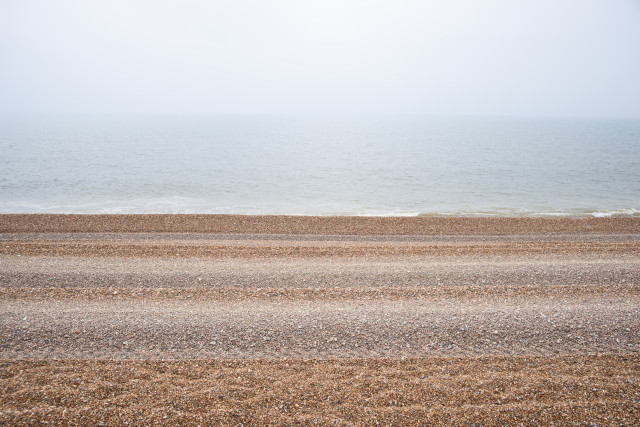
(223, 319)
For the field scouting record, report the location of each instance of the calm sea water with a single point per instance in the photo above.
(380, 165)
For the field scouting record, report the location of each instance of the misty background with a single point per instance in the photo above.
(568, 57)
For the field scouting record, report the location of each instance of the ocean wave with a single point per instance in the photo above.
(507, 212)
(617, 212)
(186, 205)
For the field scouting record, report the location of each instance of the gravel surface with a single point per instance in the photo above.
(141, 329)
(322, 225)
(219, 319)
(306, 249)
(484, 269)
(517, 390)
(206, 238)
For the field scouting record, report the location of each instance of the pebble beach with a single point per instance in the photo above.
(289, 320)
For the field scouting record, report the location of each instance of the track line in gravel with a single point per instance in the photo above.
(200, 238)
(266, 249)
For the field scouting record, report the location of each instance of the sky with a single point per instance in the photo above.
(453, 57)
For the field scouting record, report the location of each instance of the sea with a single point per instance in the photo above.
(395, 165)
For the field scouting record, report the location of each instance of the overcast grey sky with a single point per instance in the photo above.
(515, 57)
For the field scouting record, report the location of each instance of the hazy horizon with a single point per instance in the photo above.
(498, 58)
